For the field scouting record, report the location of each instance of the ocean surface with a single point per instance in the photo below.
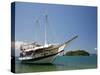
(60, 63)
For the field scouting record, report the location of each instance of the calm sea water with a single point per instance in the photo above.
(60, 63)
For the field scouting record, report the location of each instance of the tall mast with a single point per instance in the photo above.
(46, 18)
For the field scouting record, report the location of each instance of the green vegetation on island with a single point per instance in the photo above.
(77, 53)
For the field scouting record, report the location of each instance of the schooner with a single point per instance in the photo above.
(36, 53)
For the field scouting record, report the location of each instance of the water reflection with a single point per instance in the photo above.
(61, 63)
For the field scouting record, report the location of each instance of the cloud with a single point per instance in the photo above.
(18, 44)
(95, 48)
(16, 47)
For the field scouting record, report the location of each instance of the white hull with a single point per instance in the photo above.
(43, 60)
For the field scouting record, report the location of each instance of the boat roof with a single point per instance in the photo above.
(36, 48)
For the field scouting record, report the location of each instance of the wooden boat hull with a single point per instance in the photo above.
(44, 59)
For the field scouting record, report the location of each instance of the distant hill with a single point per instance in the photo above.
(77, 53)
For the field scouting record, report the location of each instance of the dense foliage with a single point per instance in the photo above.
(77, 53)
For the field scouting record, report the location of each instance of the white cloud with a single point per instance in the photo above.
(95, 48)
(16, 46)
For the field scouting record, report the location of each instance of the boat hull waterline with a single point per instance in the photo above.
(44, 59)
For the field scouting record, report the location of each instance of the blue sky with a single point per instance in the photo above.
(64, 22)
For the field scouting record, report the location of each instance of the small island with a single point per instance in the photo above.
(77, 53)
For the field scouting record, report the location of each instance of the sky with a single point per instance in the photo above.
(64, 22)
